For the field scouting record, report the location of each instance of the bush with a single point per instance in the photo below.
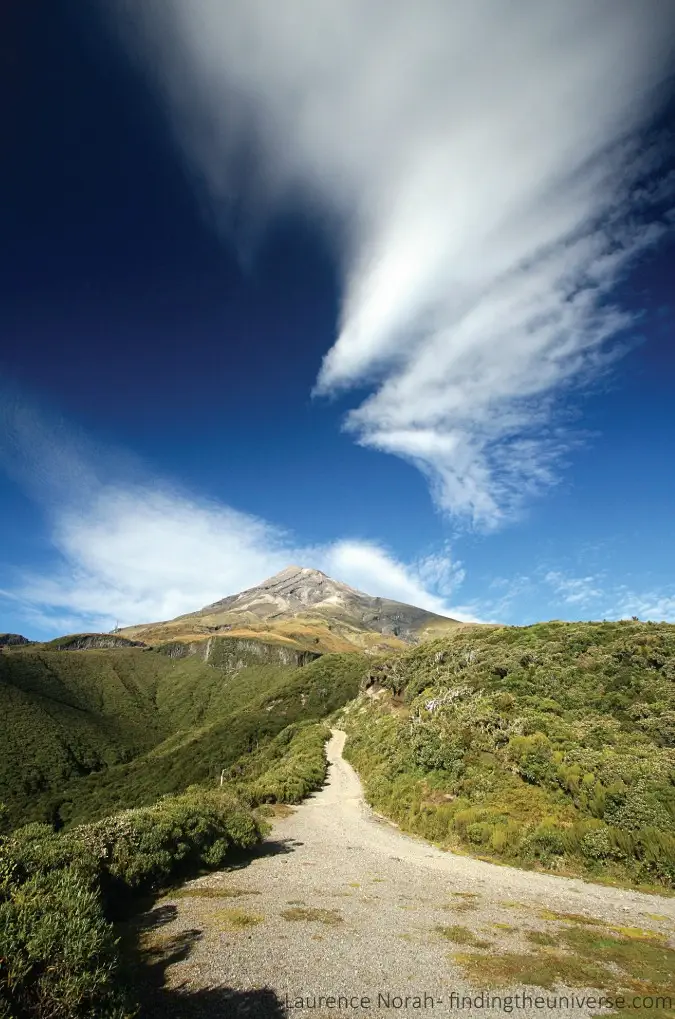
(301, 769)
(58, 956)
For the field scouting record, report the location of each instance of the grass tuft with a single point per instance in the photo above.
(462, 936)
(329, 917)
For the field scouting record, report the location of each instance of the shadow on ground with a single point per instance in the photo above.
(270, 847)
(148, 969)
(150, 952)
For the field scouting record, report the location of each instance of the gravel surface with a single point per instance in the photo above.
(340, 903)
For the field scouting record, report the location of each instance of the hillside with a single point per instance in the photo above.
(304, 609)
(549, 746)
(12, 640)
(91, 730)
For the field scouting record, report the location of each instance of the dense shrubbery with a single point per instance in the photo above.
(550, 745)
(289, 768)
(58, 954)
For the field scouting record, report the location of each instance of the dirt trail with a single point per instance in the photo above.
(341, 903)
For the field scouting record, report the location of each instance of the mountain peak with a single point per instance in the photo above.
(299, 572)
(302, 592)
(300, 604)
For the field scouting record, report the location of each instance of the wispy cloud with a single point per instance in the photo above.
(484, 171)
(598, 598)
(579, 591)
(128, 547)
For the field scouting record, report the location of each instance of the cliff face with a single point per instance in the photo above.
(92, 641)
(232, 653)
(13, 640)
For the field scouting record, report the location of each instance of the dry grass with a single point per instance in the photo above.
(211, 892)
(461, 907)
(329, 917)
(462, 936)
(234, 919)
(585, 954)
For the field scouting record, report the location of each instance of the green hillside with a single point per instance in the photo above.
(548, 746)
(90, 731)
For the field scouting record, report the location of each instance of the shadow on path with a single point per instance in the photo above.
(147, 970)
(147, 963)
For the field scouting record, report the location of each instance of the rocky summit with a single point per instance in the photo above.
(306, 607)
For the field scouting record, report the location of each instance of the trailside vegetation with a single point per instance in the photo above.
(548, 746)
(59, 958)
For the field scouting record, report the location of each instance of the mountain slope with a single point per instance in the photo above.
(87, 731)
(307, 609)
(545, 746)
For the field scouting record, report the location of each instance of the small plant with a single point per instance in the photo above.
(462, 936)
(235, 919)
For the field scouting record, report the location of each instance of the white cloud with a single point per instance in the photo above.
(598, 598)
(371, 568)
(659, 606)
(482, 165)
(131, 551)
(579, 591)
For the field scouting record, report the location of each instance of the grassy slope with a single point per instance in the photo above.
(549, 745)
(144, 724)
(69, 713)
(308, 633)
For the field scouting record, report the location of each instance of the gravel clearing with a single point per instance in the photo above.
(340, 903)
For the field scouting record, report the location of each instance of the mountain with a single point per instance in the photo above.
(97, 721)
(307, 609)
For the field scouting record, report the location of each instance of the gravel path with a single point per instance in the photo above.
(341, 903)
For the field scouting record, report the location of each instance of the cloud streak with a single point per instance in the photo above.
(487, 184)
(128, 547)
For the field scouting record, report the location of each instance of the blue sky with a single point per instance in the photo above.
(264, 299)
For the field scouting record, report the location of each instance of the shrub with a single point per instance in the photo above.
(58, 956)
(479, 832)
(301, 769)
(148, 847)
(597, 845)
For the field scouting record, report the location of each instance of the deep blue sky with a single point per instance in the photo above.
(127, 314)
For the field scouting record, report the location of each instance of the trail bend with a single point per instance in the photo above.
(363, 903)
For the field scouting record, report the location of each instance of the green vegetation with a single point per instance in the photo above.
(142, 724)
(548, 746)
(59, 891)
(92, 732)
(462, 936)
(288, 768)
(583, 957)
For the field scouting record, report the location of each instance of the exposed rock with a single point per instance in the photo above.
(92, 641)
(13, 640)
(232, 653)
(302, 592)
